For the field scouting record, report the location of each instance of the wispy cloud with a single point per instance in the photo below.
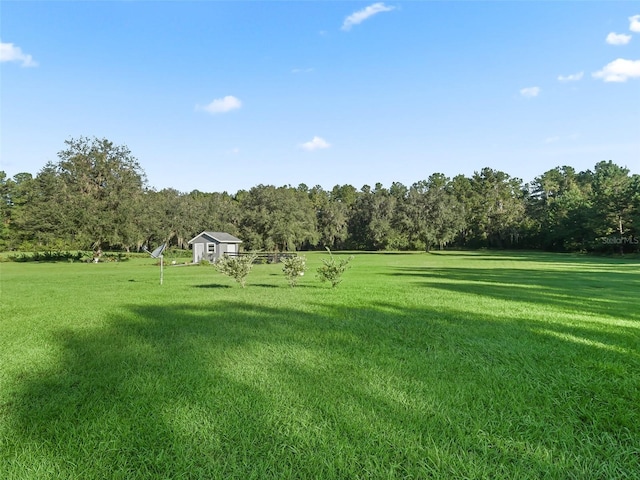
(221, 105)
(316, 143)
(558, 138)
(634, 23)
(530, 92)
(302, 70)
(361, 15)
(618, 38)
(574, 77)
(10, 53)
(620, 70)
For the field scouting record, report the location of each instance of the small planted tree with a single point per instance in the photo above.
(332, 269)
(293, 268)
(237, 268)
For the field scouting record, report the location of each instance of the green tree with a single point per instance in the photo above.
(612, 198)
(102, 183)
(331, 218)
(559, 208)
(634, 217)
(218, 212)
(279, 219)
(371, 222)
(237, 267)
(495, 206)
(431, 215)
(7, 187)
(294, 267)
(41, 215)
(172, 213)
(332, 269)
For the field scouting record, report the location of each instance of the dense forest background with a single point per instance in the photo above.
(96, 196)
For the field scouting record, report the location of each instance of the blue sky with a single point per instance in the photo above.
(222, 96)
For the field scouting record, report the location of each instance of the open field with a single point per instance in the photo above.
(453, 365)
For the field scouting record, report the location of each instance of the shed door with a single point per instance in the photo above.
(231, 248)
(198, 251)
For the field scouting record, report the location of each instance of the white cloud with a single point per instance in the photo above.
(634, 23)
(316, 143)
(221, 105)
(620, 70)
(530, 92)
(618, 38)
(10, 53)
(574, 77)
(302, 70)
(361, 15)
(558, 138)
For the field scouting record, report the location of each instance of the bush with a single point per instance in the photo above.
(47, 256)
(294, 267)
(236, 267)
(332, 269)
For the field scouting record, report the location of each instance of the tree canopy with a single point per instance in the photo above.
(96, 196)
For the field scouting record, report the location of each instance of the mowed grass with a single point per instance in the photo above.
(452, 365)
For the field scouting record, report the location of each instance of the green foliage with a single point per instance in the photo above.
(294, 267)
(48, 256)
(277, 219)
(332, 269)
(237, 267)
(430, 214)
(62, 256)
(90, 198)
(494, 205)
(96, 196)
(573, 211)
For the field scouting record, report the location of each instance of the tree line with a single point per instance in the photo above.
(96, 196)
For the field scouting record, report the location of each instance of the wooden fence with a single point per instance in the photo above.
(274, 257)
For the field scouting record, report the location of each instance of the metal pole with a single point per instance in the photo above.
(161, 268)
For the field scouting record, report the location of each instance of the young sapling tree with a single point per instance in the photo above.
(237, 268)
(294, 267)
(332, 269)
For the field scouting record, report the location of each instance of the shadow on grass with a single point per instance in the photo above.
(239, 390)
(541, 257)
(602, 291)
(260, 285)
(212, 285)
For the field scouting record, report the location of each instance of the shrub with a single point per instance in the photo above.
(236, 267)
(293, 268)
(332, 269)
(47, 256)
(114, 257)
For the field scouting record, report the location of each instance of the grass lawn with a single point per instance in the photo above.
(448, 365)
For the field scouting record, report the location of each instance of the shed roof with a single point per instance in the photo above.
(220, 237)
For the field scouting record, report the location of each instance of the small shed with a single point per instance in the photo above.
(213, 245)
